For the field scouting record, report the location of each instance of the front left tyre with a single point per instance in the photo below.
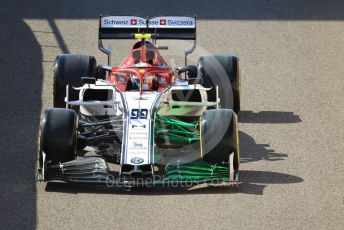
(57, 136)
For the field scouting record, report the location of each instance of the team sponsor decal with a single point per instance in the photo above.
(138, 126)
(121, 79)
(138, 22)
(162, 80)
(138, 145)
(122, 22)
(138, 136)
(137, 160)
(172, 22)
(136, 133)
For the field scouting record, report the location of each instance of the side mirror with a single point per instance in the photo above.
(106, 50)
(191, 70)
(88, 80)
(102, 71)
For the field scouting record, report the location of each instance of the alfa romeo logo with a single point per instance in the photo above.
(137, 160)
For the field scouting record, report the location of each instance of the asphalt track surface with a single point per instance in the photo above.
(291, 126)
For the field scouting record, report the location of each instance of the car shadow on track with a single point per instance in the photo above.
(271, 117)
(250, 151)
(20, 102)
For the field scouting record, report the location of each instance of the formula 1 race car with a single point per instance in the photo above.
(143, 122)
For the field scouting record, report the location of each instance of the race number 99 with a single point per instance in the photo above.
(139, 114)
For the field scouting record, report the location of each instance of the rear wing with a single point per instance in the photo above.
(163, 27)
(128, 27)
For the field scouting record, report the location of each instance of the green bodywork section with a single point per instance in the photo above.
(197, 170)
(185, 133)
(176, 130)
